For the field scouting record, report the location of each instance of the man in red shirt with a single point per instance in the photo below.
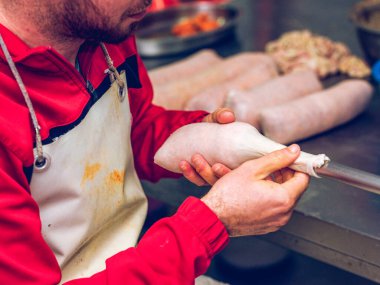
(77, 132)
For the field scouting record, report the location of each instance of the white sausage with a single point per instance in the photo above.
(174, 95)
(317, 112)
(230, 144)
(215, 96)
(183, 68)
(248, 105)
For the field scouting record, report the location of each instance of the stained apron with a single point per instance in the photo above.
(91, 202)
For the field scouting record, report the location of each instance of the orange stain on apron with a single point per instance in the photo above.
(90, 172)
(116, 177)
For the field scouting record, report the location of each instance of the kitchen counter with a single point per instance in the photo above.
(333, 222)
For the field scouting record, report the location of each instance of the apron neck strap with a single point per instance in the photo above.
(41, 161)
(113, 73)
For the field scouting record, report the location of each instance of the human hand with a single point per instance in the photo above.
(258, 197)
(199, 171)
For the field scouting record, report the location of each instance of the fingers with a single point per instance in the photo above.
(200, 172)
(287, 174)
(296, 185)
(275, 161)
(190, 174)
(282, 175)
(221, 116)
(203, 169)
(277, 177)
(220, 169)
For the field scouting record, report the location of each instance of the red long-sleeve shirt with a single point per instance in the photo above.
(174, 251)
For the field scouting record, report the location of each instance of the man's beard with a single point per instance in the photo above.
(81, 19)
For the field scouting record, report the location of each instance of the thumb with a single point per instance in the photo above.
(276, 160)
(221, 116)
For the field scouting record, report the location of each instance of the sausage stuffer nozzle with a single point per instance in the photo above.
(351, 176)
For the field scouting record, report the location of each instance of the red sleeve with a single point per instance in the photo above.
(174, 251)
(25, 258)
(151, 126)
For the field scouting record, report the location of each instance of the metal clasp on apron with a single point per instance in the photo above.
(42, 163)
(114, 74)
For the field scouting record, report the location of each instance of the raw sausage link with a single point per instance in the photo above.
(229, 144)
(175, 95)
(248, 105)
(215, 96)
(183, 68)
(317, 112)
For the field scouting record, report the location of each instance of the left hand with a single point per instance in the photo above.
(200, 172)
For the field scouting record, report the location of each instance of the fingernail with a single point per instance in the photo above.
(216, 168)
(195, 159)
(294, 148)
(182, 166)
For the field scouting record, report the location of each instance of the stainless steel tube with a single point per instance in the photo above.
(351, 176)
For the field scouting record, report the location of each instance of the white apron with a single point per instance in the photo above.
(92, 205)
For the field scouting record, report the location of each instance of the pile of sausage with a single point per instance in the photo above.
(297, 50)
(285, 108)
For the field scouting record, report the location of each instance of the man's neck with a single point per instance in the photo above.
(33, 36)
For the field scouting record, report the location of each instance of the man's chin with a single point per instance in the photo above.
(115, 37)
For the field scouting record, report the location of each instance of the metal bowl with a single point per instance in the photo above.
(154, 37)
(365, 16)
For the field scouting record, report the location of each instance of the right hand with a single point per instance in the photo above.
(249, 202)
